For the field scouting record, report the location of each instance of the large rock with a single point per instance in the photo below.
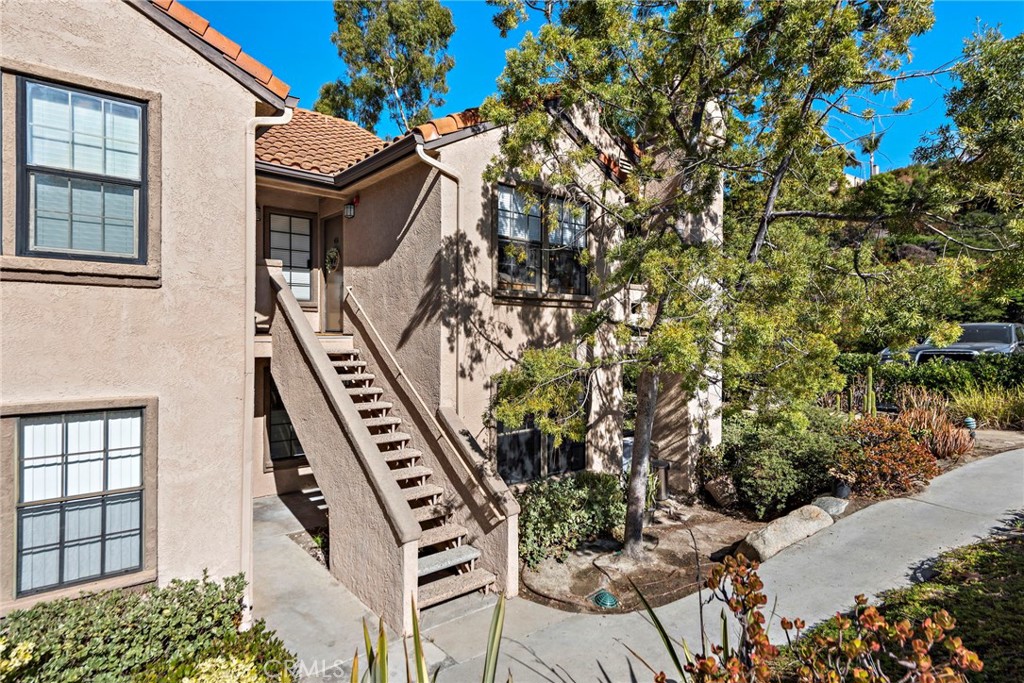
(833, 506)
(783, 532)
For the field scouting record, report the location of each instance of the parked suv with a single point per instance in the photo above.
(975, 339)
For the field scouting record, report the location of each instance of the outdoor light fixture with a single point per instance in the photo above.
(350, 208)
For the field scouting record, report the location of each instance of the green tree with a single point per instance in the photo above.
(395, 55)
(721, 94)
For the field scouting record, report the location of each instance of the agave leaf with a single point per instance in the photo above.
(355, 664)
(417, 642)
(665, 639)
(725, 634)
(494, 641)
(382, 655)
(369, 647)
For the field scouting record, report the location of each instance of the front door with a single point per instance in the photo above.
(334, 286)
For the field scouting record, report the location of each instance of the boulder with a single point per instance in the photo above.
(722, 490)
(833, 506)
(783, 532)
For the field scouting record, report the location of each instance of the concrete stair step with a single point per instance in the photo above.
(421, 492)
(404, 474)
(442, 534)
(348, 363)
(378, 422)
(347, 377)
(374, 406)
(446, 559)
(429, 512)
(453, 586)
(402, 455)
(390, 438)
(363, 393)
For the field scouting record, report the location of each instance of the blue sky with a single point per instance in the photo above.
(293, 38)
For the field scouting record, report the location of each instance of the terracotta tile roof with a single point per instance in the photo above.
(315, 142)
(227, 47)
(435, 128)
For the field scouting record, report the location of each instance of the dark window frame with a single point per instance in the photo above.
(24, 170)
(313, 302)
(546, 251)
(545, 457)
(64, 501)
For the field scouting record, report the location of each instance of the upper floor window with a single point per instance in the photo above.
(532, 259)
(82, 170)
(291, 243)
(80, 512)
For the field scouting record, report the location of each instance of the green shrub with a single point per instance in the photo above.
(987, 370)
(559, 514)
(778, 460)
(115, 635)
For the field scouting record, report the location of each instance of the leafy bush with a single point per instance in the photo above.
(559, 514)
(883, 457)
(926, 415)
(991, 406)
(982, 587)
(865, 648)
(118, 634)
(987, 370)
(777, 460)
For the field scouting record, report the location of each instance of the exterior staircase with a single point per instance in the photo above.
(447, 565)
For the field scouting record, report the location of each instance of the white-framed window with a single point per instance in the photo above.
(80, 502)
(82, 162)
(291, 242)
(535, 260)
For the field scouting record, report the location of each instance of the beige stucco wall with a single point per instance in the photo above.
(183, 342)
(391, 257)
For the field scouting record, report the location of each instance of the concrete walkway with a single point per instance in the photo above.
(877, 548)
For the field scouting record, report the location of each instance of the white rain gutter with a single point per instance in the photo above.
(249, 388)
(451, 173)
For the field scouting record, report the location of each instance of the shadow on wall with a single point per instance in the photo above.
(487, 326)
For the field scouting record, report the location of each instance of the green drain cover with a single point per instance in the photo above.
(603, 598)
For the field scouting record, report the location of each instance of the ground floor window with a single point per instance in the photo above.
(526, 454)
(80, 502)
(284, 443)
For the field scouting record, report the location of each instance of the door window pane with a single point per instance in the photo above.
(290, 243)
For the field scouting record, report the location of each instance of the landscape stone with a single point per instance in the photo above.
(831, 505)
(783, 532)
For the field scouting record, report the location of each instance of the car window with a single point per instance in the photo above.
(974, 334)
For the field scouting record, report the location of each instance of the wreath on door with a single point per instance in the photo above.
(332, 259)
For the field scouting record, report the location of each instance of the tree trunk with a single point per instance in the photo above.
(636, 492)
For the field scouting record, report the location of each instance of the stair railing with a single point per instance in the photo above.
(499, 498)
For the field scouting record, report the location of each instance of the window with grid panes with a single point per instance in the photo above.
(82, 167)
(79, 511)
(291, 243)
(533, 260)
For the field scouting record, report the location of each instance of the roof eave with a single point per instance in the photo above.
(215, 57)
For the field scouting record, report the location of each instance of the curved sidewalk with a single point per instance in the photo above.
(877, 548)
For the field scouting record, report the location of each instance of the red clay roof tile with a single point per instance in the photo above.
(317, 142)
(231, 50)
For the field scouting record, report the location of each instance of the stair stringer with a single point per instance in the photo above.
(373, 535)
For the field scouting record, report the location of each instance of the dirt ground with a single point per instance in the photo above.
(668, 572)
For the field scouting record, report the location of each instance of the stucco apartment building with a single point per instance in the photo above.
(210, 295)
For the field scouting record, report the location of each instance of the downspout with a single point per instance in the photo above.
(454, 175)
(249, 388)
